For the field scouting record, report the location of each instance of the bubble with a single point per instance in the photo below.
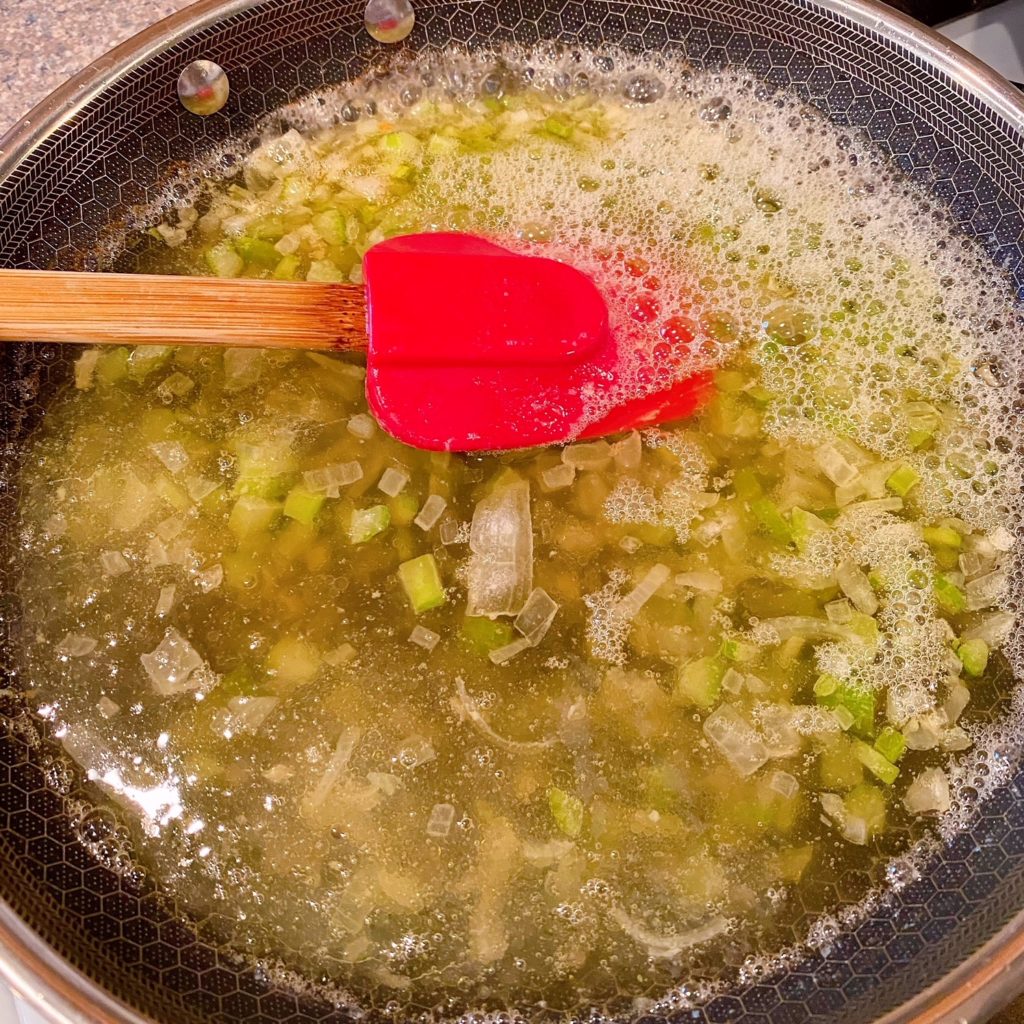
(643, 89)
(203, 88)
(389, 21)
(716, 110)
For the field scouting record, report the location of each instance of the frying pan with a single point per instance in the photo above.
(92, 944)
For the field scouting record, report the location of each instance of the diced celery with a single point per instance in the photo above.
(654, 534)
(918, 439)
(223, 261)
(485, 635)
(368, 522)
(288, 268)
(112, 365)
(401, 145)
(838, 766)
(294, 189)
(942, 536)
(830, 692)
(903, 480)
(257, 253)
(147, 358)
(700, 682)
(404, 507)
(269, 229)
(876, 763)
(331, 227)
(252, 514)
(746, 485)
(567, 811)
(734, 649)
(558, 126)
(867, 802)
(324, 271)
(803, 524)
(775, 524)
(974, 656)
(292, 662)
(891, 744)
(441, 145)
(950, 597)
(422, 583)
(302, 504)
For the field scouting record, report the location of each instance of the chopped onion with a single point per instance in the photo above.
(629, 606)
(278, 773)
(114, 563)
(392, 481)
(1001, 539)
(993, 628)
(175, 386)
(85, 368)
(242, 368)
(468, 707)
(592, 455)
(423, 637)
(507, 652)
(362, 426)
(432, 510)
(415, 751)
(439, 824)
(856, 586)
(778, 729)
(500, 575)
(755, 684)
(664, 946)
(174, 666)
(171, 454)
(106, 707)
(210, 579)
(835, 466)
(169, 528)
(844, 716)
(451, 532)
(631, 545)
(165, 601)
(805, 626)
(732, 681)
(75, 645)
(199, 487)
(839, 612)
(340, 655)
(984, 591)
(875, 505)
(628, 451)
(536, 616)
(557, 477)
(330, 479)
(336, 766)
(736, 739)
(705, 580)
(784, 784)
(958, 696)
(928, 793)
(384, 782)
(544, 855)
(243, 714)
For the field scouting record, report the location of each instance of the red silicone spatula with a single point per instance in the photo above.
(468, 346)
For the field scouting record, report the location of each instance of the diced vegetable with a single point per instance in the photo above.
(567, 811)
(501, 542)
(974, 656)
(903, 480)
(366, 523)
(876, 763)
(830, 692)
(928, 793)
(422, 583)
(736, 739)
(485, 634)
(891, 744)
(700, 682)
(252, 515)
(303, 505)
(950, 597)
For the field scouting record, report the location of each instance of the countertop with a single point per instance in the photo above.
(42, 43)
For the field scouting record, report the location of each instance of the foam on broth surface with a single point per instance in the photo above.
(755, 610)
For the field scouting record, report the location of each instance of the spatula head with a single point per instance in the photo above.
(473, 347)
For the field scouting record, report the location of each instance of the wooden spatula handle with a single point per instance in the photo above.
(146, 309)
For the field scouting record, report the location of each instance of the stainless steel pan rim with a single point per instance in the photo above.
(978, 987)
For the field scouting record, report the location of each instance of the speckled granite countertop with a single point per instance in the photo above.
(42, 43)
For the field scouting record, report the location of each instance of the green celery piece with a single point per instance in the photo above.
(331, 227)
(113, 365)
(269, 229)
(404, 507)
(655, 534)
(485, 635)
(567, 810)
(903, 480)
(302, 504)
(950, 597)
(867, 802)
(942, 537)
(288, 268)
(879, 765)
(974, 656)
(830, 692)
(776, 525)
(700, 682)
(324, 271)
(803, 524)
(558, 126)
(368, 522)
(239, 682)
(223, 261)
(401, 145)
(733, 649)
(918, 439)
(422, 583)
(441, 145)
(147, 358)
(257, 252)
(252, 514)
(746, 485)
(891, 744)
(294, 189)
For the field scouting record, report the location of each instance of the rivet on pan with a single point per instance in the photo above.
(389, 21)
(203, 87)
